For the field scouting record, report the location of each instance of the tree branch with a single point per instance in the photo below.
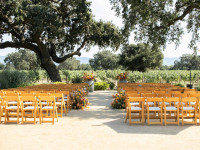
(188, 10)
(62, 59)
(20, 45)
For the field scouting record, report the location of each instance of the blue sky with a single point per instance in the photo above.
(102, 10)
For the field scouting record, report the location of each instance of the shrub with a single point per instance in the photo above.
(77, 79)
(181, 85)
(14, 78)
(111, 85)
(100, 85)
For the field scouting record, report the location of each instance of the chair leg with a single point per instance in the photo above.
(165, 117)
(53, 117)
(182, 118)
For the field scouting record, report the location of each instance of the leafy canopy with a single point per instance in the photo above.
(159, 21)
(140, 57)
(22, 60)
(186, 61)
(104, 60)
(54, 29)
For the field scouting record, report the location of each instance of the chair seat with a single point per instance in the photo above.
(12, 102)
(134, 103)
(166, 103)
(47, 107)
(12, 107)
(28, 103)
(29, 107)
(136, 108)
(179, 102)
(171, 108)
(188, 108)
(154, 108)
(192, 103)
(150, 103)
(58, 103)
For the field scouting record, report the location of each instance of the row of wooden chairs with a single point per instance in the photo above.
(63, 96)
(158, 108)
(29, 107)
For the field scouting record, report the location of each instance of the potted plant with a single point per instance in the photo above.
(122, 77)
(89, 78)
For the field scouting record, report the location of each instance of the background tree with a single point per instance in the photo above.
(70, 64)
(54, 30)
(140, 57)
(2, 66)
(159, 21)
(22, 60)
(85, 67)
(104, 60)
(187, 60)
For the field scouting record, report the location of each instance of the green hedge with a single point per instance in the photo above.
(100, 86)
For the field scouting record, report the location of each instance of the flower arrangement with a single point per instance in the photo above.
(122, 76)
(79, 100)
(88, 76)
(119, 100)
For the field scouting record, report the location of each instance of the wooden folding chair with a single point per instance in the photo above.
(67, 100)
(59, 103)
(171, 111)
(1, 108)
(136, 109)
(47, 104)
(12, 108)
(156, 110)
(189, 109)
(29, 108)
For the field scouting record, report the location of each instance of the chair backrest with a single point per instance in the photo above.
(180, 95)
(164, 95)
(188, 100)
(41, 94)
(148, 95)
(47, 98)
(11, 98)
(28, 98)
(27, 94)
(11, 94)
(141, 100)
(172, 100)
(57, 95)
(155, 99)
(194, 95)
(133, 95)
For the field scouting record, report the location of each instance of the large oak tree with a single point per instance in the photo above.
(159, 21)
(54, 29)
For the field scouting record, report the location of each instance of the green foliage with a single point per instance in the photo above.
(70, 64)
(2, 66)
(186, 61)
(111, 85)
(100, 86)
(104, 60)
(77, 79)
(159, 21)
(140, 57)
(181, 85)
(54, 30)
(13, 79)
(22, 60)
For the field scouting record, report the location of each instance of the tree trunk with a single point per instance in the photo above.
(51, 70)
